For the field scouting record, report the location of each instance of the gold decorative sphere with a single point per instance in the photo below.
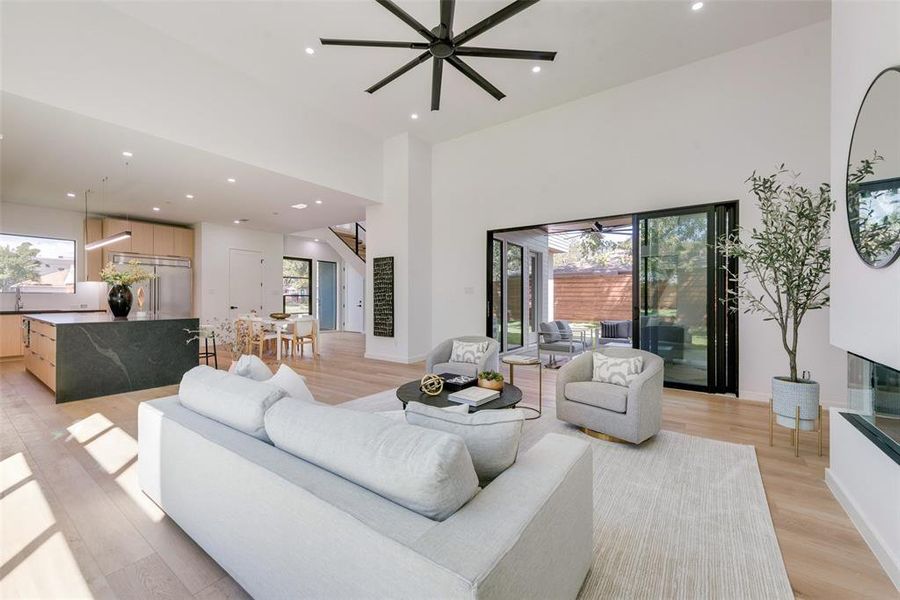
(431, 384)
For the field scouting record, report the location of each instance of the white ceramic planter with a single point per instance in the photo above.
(787, 395)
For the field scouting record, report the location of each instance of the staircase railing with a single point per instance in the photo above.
(354, 237)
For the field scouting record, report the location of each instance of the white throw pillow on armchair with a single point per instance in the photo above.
(618, 371)
(468, 352)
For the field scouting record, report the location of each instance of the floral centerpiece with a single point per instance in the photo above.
(120, 282)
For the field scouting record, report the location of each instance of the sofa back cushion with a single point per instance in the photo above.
(429, 472)
(230, 399)
(468, 352)
(491, 436)
(251, 366)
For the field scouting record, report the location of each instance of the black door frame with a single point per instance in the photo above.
(722, 330)
(725, 217)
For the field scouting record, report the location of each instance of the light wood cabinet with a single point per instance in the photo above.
(40, 355)
(12, 342)
(183, 242)
(143, 237)
(93, 231)
(113, 226)
(163, 240)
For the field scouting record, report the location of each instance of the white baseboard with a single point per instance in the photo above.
(405, 360)
(869, 535)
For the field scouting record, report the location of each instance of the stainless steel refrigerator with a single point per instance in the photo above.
(169, 292)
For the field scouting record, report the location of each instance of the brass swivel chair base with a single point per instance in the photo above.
(603, 436)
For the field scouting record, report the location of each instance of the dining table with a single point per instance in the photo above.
(285, 326)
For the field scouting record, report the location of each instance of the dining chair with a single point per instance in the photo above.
(304, 332)
(259, 336)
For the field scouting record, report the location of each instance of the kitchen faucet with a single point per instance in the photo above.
(20, 304)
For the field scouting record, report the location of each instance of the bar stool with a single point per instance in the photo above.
(207, 333)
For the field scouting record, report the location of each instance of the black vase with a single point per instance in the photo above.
(120, 300)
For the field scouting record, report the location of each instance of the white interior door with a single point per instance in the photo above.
(354, 293)
(245, 279)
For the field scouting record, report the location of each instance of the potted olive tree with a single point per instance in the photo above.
(782, 273)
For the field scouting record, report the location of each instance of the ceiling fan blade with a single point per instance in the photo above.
(407, 18)
(374, 43)
(493, 20)
(408, 66)
(505, 53)
(448, 7)
(478, 79)
(437, 72)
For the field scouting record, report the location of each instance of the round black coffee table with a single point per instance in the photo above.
(409, 392)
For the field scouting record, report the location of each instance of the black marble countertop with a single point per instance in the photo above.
(81, 318)
(49, 311)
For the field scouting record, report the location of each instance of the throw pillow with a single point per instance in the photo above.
(252, 367)
(618, 371)
(565, 330)
(550, 332)
(491, 436)
(609, 329)
(468, 352)
(293, 384)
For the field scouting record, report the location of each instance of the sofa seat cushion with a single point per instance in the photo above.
(491, 436)
(429, 472)
(232, 400)
(456, 368)
(602, 395)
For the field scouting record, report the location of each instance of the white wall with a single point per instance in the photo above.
(63, 224)
(401, 227)
(865, 313)
(688, 136)
(212, 245)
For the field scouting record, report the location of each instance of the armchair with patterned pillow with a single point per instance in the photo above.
(619, 399)
(466, 355)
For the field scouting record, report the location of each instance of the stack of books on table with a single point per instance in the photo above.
(474, 396)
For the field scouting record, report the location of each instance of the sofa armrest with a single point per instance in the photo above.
(577, 369)
(528, 534)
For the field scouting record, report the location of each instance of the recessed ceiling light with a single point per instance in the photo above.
(316, 240)
(237, 221)
(300, 206)
(70, 194)
(189, 196)
(696, 6)
(231, 180)
(310, 50)
(414, 116)
(155, 209)
(318, 202)
(127, 153)
(536, 69)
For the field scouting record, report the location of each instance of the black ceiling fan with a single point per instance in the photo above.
(442, 45)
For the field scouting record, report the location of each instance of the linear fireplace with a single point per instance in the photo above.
(874, 397)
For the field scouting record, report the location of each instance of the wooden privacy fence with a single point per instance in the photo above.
(591, 296)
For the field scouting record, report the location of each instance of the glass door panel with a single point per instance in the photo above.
(534, 282)
(497, 291)
(514, 300)
(674, 294)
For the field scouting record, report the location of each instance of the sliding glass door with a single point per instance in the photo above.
(680, 293)
(514, 296)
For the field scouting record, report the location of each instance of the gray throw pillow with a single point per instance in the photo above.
(491, 436)
(552, 332)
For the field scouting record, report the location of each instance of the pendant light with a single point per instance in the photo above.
(111, 239)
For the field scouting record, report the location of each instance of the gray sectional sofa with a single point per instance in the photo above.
(284, 527)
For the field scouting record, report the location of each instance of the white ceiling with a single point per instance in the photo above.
(600, 44)
(48, 152)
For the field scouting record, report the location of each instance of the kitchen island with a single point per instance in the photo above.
(85, 355)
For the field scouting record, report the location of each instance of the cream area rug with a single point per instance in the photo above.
(677, 517)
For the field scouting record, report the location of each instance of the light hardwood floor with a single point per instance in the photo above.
(73, 521)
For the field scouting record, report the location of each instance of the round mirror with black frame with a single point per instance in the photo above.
(873, 173)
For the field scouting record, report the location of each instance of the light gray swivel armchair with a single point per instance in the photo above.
(608, 411)
(438, 360)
